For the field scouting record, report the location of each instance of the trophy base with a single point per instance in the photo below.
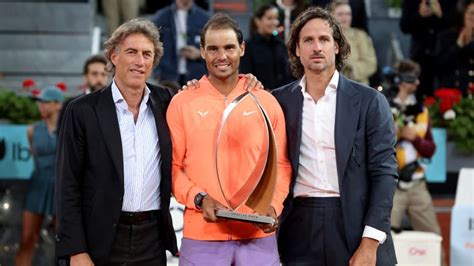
(245, 217)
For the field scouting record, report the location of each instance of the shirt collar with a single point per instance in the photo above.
(118, 97)
(332, 86)
(411, 100)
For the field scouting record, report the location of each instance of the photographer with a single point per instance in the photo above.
(415, 142)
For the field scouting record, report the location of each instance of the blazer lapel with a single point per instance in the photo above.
(294, 122)
(109, 126)
(161, 126)
(347, 117)
(158, 110)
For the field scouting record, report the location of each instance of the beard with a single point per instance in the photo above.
(95, 87)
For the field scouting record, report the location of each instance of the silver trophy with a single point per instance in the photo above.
(246, 137)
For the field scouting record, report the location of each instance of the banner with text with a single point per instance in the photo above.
(15, 158)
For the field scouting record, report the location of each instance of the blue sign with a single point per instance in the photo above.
(16, 161)
(436, 169)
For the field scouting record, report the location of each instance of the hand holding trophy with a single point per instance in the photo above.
(256, 153)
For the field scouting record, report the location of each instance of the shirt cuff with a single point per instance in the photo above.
(373, 233)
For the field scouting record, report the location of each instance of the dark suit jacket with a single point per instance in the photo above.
(89, 185)
(63, 109)
(365, 154)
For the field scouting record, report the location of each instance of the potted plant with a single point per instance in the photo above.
(17, 109)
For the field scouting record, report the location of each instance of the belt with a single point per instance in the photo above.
(318, 202)
(130, 218)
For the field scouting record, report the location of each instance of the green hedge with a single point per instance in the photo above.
(18, 109)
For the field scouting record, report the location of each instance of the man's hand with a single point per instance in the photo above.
(81, 259)
(268, 228)
(436, 8)
(209, 207)
(191, 85)
(252, 83)
(465, 36)
(366, 254)
(408, 132)
(190, 52)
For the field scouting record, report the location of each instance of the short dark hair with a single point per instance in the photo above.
(221, 21)
(92, 60)
(408, 66)
(337, 34)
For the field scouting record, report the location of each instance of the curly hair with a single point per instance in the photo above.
(337, 34)
(137, 25)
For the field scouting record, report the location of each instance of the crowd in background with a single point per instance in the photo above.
(441, 53)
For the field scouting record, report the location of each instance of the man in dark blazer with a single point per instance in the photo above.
(341, 147)
(180, 24)
(114, 162)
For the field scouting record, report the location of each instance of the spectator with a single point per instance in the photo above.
(423, 20)
(359, 14)
(39, 200)
(265, 54)
(415, 142)
(181, 25)
(455, 51)
(119, 11)
(288, 10)
(362, 62)
(95, 77)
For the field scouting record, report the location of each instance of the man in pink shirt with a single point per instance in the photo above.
(193, 117)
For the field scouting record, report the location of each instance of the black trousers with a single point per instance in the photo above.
(313, 234)
(139, 244)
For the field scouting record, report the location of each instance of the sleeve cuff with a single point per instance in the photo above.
(373, 233)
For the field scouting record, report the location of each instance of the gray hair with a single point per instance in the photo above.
(137, 25)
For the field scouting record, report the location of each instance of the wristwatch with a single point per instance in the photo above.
(198, 199)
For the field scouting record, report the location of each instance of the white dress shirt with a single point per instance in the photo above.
(317, 170)
(141, 154)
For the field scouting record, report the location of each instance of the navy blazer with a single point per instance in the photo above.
(365, 154)
(90, 178)
(164, 19)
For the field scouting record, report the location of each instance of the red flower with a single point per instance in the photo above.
(27, 83)
(35, 92)
(448, 97)
(62, 86)
(429, 101)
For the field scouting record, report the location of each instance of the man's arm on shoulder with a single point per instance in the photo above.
(70, 162)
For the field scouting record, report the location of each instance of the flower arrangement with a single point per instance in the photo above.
(450, 110)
